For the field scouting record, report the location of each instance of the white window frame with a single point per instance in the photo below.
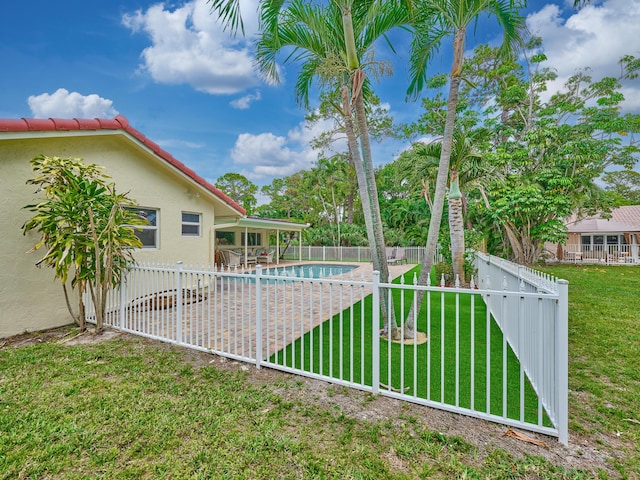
(186, 223)
(155, 228)
(254, 239)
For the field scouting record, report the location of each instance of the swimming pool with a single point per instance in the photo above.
(310, 270)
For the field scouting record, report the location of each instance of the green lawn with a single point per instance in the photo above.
(142, 409)
(604, 357)
(439, 370)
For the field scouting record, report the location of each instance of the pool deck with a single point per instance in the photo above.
(224, 321)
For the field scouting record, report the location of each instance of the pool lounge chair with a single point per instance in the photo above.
(391, 253)
(398, 256)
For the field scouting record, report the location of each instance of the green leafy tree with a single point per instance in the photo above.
(380, 126)
(239, 188)
(86, 228)
(468, 170)
(550, 152)
(438, 20)
(624, 185)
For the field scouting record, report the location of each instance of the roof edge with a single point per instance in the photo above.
(120, 122)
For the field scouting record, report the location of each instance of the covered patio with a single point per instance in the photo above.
(248, 240)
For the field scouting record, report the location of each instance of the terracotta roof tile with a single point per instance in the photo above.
(118, 123)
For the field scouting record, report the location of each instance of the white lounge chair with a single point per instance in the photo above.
(265, 256)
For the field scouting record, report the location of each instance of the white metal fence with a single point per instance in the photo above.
(329, 329)
(349, 254)
(531, 326)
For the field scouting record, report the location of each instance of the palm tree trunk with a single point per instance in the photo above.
(456, 229)
(441, 179)
(354, 151)
(364, 170)
(377, 246)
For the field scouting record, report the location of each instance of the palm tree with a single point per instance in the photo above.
(334, 43)
(467, 170)
(440, 19)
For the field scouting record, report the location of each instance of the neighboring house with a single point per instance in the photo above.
(189, 219)
(611, 240)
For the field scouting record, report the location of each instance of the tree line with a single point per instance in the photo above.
(520, 162)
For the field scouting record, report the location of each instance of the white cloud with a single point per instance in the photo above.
(189, 46)
(266, 155)
(245, 102)
(595, 36)
(65, 104)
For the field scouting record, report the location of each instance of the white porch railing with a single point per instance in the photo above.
(609, 254)
(329, 329)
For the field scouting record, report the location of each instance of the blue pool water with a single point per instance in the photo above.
(312, 270)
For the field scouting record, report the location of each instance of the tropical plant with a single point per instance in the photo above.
(334, 42)
(624, 185)
(438, 20)
(468, 170)
(86, 227)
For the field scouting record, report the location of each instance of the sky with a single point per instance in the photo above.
(193, 89)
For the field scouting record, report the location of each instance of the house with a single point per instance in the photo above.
(190, 220)
(608, 240)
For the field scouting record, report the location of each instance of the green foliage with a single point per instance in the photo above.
(624, 185)
(547, 154)
(441, 269)
(240, 189)
(85, 226)
(351, 235)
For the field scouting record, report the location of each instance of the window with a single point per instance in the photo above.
(255, 240)
(225, 238)
(190, 224)
(586, 242)
(148, 234)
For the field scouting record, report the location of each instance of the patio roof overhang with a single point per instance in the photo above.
(258, 224)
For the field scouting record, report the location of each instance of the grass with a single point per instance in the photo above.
(604, 358)
(138, 409)
(440, 370)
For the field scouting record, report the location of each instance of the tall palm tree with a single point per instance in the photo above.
(334, 43)
(438, 20)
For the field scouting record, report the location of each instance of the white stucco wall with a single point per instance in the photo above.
(29, 297)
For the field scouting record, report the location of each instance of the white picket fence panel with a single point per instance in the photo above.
(329, 329)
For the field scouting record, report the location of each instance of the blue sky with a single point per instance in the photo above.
(187, 85)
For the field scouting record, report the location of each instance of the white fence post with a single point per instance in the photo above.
(179, 302)
(375, 333)
(258, 315)
(123, 309)
(562, 349)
